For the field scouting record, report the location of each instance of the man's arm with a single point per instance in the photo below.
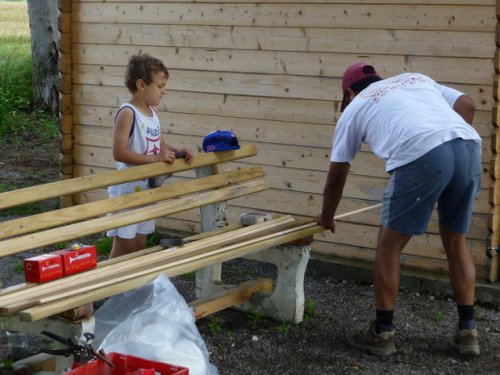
(465, 107)
(334, 187)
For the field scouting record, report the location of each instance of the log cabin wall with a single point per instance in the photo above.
(270, 71)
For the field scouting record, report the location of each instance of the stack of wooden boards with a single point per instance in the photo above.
(32, 302)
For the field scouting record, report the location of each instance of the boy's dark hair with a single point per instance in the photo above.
(142, 66)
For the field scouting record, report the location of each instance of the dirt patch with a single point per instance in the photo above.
(241, 343)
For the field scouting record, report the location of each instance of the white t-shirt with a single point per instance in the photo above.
(144, 139)
(401, 118)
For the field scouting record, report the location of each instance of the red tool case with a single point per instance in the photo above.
(128, 365)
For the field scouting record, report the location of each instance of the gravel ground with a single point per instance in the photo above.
(241, 343)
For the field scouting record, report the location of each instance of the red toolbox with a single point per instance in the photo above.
(77, 258)
(43, 268)
(128, 365)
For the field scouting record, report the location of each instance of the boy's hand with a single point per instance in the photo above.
(185, 154)
(167, 155)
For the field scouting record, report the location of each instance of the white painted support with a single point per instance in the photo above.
(57, 325)
(286, 302)
(213, 216)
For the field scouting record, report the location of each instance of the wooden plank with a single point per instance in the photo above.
(298, 110)
(432, 2)
(444, 69)
(55, 189)
(144, 259)
(395, 16)
(122, 266)
(77, 230)
(234, 296)
(407, 261)
(310, 203)
(172, 269)
(98, 120)
(149, 257)
(219, 106)
(426, 245)
(277, 85)
(284, 86)
(306, 204)
(308, 39)
(68, 215)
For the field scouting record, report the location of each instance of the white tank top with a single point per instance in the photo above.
(144, 139)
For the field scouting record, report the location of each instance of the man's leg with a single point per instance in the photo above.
(461, 266)
(378, 338)
(463, 281)
(386, 274)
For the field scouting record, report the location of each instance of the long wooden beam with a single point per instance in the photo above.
(77, 230)
(177, 265)
(81, 212)
(15, 302)
(230, 297)
(171, 269)
(105, 179)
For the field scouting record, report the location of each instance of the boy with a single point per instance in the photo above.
(137, 140)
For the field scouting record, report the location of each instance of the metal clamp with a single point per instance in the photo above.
(491, 250)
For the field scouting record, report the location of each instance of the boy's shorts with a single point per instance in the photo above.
(130, 231)
(449, 175)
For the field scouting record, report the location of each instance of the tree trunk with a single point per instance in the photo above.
(43, 18)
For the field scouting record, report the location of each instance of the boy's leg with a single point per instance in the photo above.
(123, 246)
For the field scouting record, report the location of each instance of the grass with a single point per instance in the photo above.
(14, 22)
(18, 118)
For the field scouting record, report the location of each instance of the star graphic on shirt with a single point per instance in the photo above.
(151, 146)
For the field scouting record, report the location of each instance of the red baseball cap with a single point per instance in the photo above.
(353, 74)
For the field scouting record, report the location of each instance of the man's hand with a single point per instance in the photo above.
(328, 224)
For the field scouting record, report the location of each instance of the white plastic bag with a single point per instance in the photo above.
(153, 322)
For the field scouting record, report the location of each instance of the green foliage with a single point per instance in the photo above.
(284, 327)
(6, 366)
(309, 310)
(103, 246)
(255, 320)
(61, 245)
(188, 276)
(439, 316)
(15, 85)
(215, 325)
(153, 239)
(27, 209)
(479, 313)
(18, 268)
(17, 117)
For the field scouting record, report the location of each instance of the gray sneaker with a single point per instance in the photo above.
(466, 341)
(369, 341)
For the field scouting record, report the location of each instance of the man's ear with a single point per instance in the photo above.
(351, 93)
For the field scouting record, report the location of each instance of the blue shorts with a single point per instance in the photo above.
(449, 175)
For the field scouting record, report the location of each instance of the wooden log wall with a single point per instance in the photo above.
(270, 71)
